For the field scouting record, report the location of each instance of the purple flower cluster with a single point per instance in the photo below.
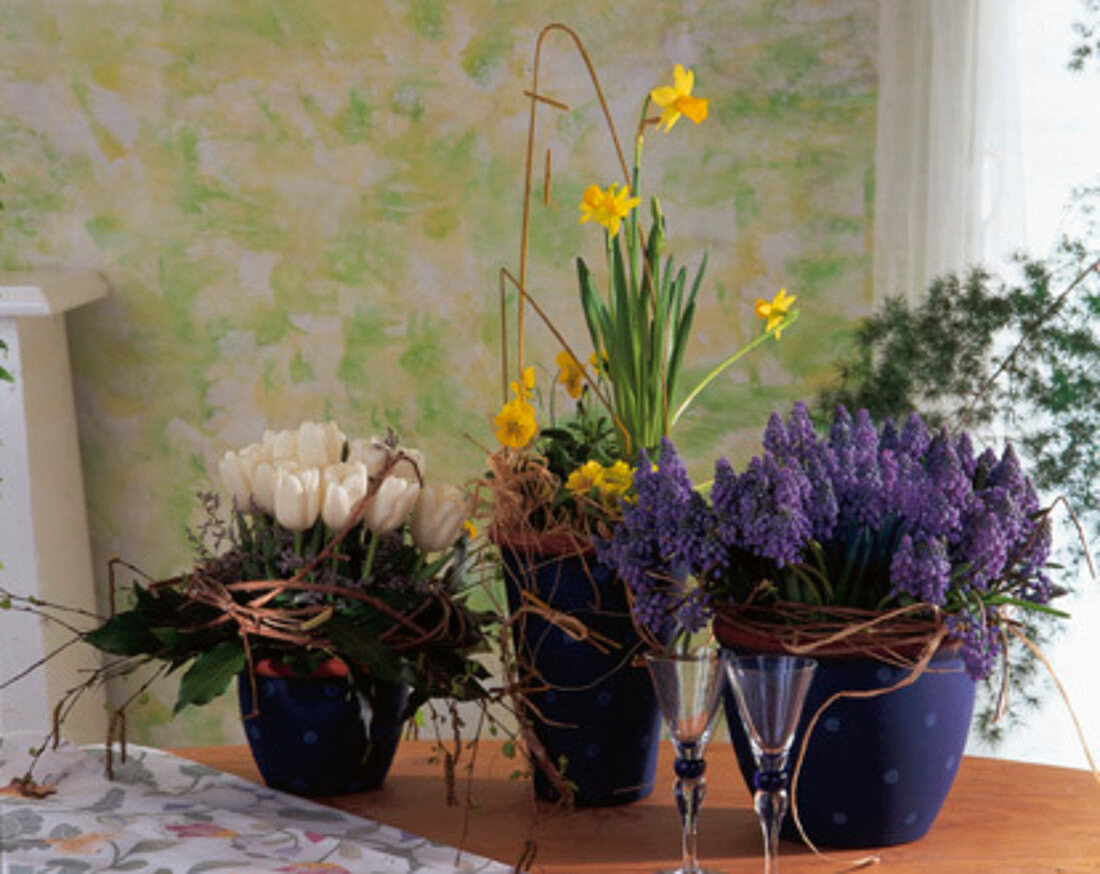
(664, 538)
(886, 516)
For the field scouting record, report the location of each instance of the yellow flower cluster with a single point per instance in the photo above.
(515, 423)
(611, 483)
(607, 207)
(570, 374)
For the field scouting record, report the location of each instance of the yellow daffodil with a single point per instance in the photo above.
(597, 364)
(615, 481)
(676, 99)
(515, 423)
(525, 385)
(607, 206)
(571, 374)
(470, 528)
(585, 478)
(775, 310)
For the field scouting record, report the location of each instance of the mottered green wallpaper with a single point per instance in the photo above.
(302, 209)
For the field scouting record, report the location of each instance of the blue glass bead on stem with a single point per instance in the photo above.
(770, 691)
(688, 690)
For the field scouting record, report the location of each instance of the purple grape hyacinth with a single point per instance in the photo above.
(887, 517)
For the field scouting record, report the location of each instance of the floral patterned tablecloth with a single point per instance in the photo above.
(166, 815)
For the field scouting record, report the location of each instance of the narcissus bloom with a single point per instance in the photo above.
(571, 374)
(585, 478)
(525, 385)
(775, 310)
(515, 423)
(676, 99)
(615, 481)
(607, 206)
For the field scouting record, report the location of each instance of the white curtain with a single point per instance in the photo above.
(948, 179)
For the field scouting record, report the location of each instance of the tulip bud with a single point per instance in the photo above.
(390, 505)
(344, 486)
(297, 497)
(438, 516)
(319, 444)
(263, 485)
(282, 445)
(234, 479)
(376, 455)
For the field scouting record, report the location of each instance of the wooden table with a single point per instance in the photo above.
(1004, 817)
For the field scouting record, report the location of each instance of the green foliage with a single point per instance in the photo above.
(5, 376)
(1087, 32)
(1019, 359)
(642, 328)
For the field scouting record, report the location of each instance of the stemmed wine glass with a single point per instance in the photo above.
(770, 691)
(688, 689)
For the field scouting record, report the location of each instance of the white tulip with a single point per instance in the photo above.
(391, 504)
(438, 516)
(345, 485)
(264, 478)
(319, 444)
(376, 454)
(235, 480)
(297, 496)
(281, 445)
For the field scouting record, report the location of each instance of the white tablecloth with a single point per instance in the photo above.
(166, 815)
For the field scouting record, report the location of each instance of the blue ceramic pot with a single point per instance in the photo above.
(877, 770)
(320, 735)
(600, 713)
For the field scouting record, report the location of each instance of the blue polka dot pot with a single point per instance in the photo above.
(596, 712)
(322, 735)
(878, 770)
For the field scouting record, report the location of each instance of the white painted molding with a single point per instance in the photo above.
(44, 542)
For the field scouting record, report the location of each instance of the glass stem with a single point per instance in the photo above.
(690, 792)
(771, 807)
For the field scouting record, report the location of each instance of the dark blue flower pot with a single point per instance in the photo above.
(599, 714)
(319, 735)
(877, 770)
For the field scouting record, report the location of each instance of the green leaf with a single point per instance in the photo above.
(508, 749)
(125, 634)
(210, 673)
(354, 643)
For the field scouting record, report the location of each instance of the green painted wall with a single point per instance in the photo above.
(302, 208)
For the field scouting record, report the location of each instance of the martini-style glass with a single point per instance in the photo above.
(688, 690)
(770, 691)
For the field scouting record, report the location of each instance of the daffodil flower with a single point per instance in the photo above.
(585, 478)
(515, 423)
(615, 482)
(525, 385)
(607, 206)
(775, 310)
(570, 374)
(676, 99)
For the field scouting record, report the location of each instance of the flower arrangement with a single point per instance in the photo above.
(335, 556)
(863, 522)
(567, 478)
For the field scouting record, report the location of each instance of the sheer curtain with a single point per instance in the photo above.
(948, 178)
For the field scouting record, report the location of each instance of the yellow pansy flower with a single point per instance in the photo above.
(585, 478)
(607, 206)
(525, 385)
(515, 423)
(571, 374)
(775, 310)
(676, 99)
(616, 481)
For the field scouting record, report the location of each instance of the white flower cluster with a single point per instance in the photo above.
(300, 476)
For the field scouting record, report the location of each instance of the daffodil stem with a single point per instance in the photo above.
(733, 359)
